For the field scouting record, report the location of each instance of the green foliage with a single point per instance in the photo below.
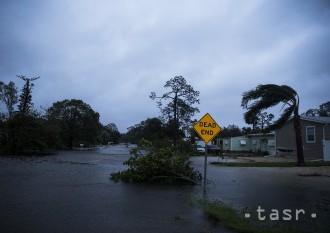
(325, 109)
(322, 111)
(8, 94)
(233, 219)
(109, 133)
(311, 112)
(151, 129)
(25, 99)
(230, 131)
(66, 124)
(179, 107)
(270, 95)
(24, 131)
(266, 96)
(259, 121)
(165, 165)
(24, 134)
(76, 122)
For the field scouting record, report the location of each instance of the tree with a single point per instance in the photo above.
(247, 130)
(179, 110)
(151, 129)
(252, 120)
(112, 127)
(26, 134)
(23, 132)
(322, 111)
(76, 122)
(25, 99)
(109, 133)
(264, 120)
(269, 95)
(8, 94)
(230, 131)
(259, 121)
(311, 112)
(325, 109)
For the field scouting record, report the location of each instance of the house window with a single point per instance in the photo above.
(243, 142)
(310, 134)
(271, 142)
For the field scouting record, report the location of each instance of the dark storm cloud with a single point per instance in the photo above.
(113, 54)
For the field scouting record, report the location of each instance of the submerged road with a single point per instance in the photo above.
(71, 192)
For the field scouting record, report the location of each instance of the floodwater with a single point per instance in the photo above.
(274, 190)
(71, 192)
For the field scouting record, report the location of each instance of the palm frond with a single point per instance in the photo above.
(287, 113)
(262, 104)
(269, 95)
(268, 91)
(290, 92)
(251, 95)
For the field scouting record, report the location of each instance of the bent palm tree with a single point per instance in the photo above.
(270, 95)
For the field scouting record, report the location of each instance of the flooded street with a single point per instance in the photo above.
(71, 192)
(271, 188)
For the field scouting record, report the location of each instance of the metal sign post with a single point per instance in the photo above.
(207, 129)
(205, 167)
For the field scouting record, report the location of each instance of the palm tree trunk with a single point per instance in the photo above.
(297, 129)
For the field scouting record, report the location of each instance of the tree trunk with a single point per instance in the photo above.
(175, 102)
(297, 129)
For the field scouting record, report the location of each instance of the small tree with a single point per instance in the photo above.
(264, 120)
(8, 94)
(25, 99)
(259, 121)
(180, 108)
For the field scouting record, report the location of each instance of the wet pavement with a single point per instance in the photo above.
(280, 189)
(71, 192)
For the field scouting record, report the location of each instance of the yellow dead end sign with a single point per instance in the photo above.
(207, 128)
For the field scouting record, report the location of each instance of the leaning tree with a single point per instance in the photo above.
(270, 95)
(179, 107)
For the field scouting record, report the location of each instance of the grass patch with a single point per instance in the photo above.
(270, 164)
(233, 219)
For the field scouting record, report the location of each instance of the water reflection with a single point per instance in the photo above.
(71, 192)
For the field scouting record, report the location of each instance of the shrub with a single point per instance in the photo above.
(166, 165)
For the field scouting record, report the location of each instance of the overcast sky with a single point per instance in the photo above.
(112, 54)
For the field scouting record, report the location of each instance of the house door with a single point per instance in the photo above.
(326, 150)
